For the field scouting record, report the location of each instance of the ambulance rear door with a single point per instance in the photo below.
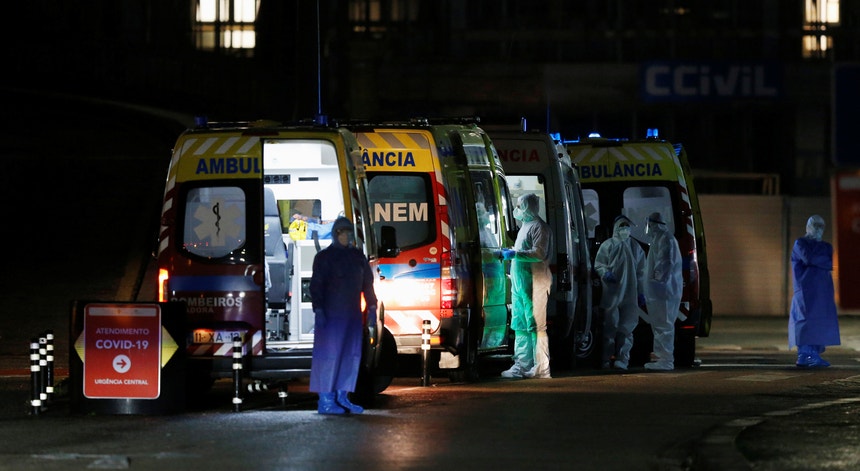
(535, 163)
(408, 202)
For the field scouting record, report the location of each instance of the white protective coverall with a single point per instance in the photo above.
(531, 280)
(663, 285)
(620, 262)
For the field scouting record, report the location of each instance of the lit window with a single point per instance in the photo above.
(226, 24)
(376, 16)
(819, 15)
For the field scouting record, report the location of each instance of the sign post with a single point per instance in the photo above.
(122, 351)
(127, 357)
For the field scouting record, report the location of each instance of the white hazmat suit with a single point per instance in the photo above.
(531, 280)
(620, 262)
(664, 285)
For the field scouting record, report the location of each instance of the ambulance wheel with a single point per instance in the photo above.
(468, 370)
(587, 343)
(198, 383)
(643, 344)
(685, 349)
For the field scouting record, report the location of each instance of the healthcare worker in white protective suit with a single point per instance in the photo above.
(663, 285)
(813, 323)
(531, 280)
(620, 262)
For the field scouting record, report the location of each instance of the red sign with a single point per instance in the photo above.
(847, 241)
(122, 351)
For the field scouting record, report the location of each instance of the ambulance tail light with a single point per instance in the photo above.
(448, 286)
(163, 276)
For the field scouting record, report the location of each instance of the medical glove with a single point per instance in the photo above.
(508, 254)
(609, 277)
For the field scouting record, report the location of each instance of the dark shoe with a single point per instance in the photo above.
(328, 406)
(343, 401)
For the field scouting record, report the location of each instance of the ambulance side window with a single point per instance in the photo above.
(591, 204)
(487, 210)
(403, 201)
(214, 224)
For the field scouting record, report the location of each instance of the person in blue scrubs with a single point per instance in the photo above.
(813, 322)
(341, 274)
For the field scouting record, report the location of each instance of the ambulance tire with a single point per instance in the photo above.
(469, 368)
(198, 383)
(373, 381)
(643, 345)
(685, 349)
(587, 347)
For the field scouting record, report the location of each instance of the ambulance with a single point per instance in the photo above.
(536, 162)
(636, 178)
(440, 210)
(246, 208)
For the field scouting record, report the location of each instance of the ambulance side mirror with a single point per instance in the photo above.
(388, 242)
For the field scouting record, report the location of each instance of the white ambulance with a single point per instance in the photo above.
(536, 162)
(636, 178)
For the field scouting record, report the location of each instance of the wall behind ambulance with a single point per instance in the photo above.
(749, 241)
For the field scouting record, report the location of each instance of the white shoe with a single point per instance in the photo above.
(619, 366)
(532, 373)
(659, 366)
(513, 372)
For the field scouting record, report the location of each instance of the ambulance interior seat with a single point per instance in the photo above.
(276, 253)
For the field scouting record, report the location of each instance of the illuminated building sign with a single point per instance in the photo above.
(709, 81)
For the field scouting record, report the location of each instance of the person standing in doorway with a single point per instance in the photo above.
(813, 322)
(341, 275)
(531, 280)
(620, 262)
(663, 286)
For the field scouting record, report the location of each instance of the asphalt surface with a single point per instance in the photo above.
(824, 433)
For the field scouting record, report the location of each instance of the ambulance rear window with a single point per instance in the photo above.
(641, 201)
(214, 223)
(403, 202)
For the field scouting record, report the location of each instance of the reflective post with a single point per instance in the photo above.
(425, 353)
(35, 378)
(237, 373)
(43, 369)
(49, 374)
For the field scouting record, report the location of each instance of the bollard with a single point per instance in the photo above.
(35, 378)
(237, 373)
(49, 375)
(43, 369)
(425, 353)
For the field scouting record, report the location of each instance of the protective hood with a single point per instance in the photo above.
(527, 207)
(342, 223)
(815, 227)
(621, 227)
(654, 223)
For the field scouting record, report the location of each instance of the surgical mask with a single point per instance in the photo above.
(518, 213)
(817, 233)
(623, 233)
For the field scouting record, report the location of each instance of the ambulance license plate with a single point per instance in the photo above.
(214, 336)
